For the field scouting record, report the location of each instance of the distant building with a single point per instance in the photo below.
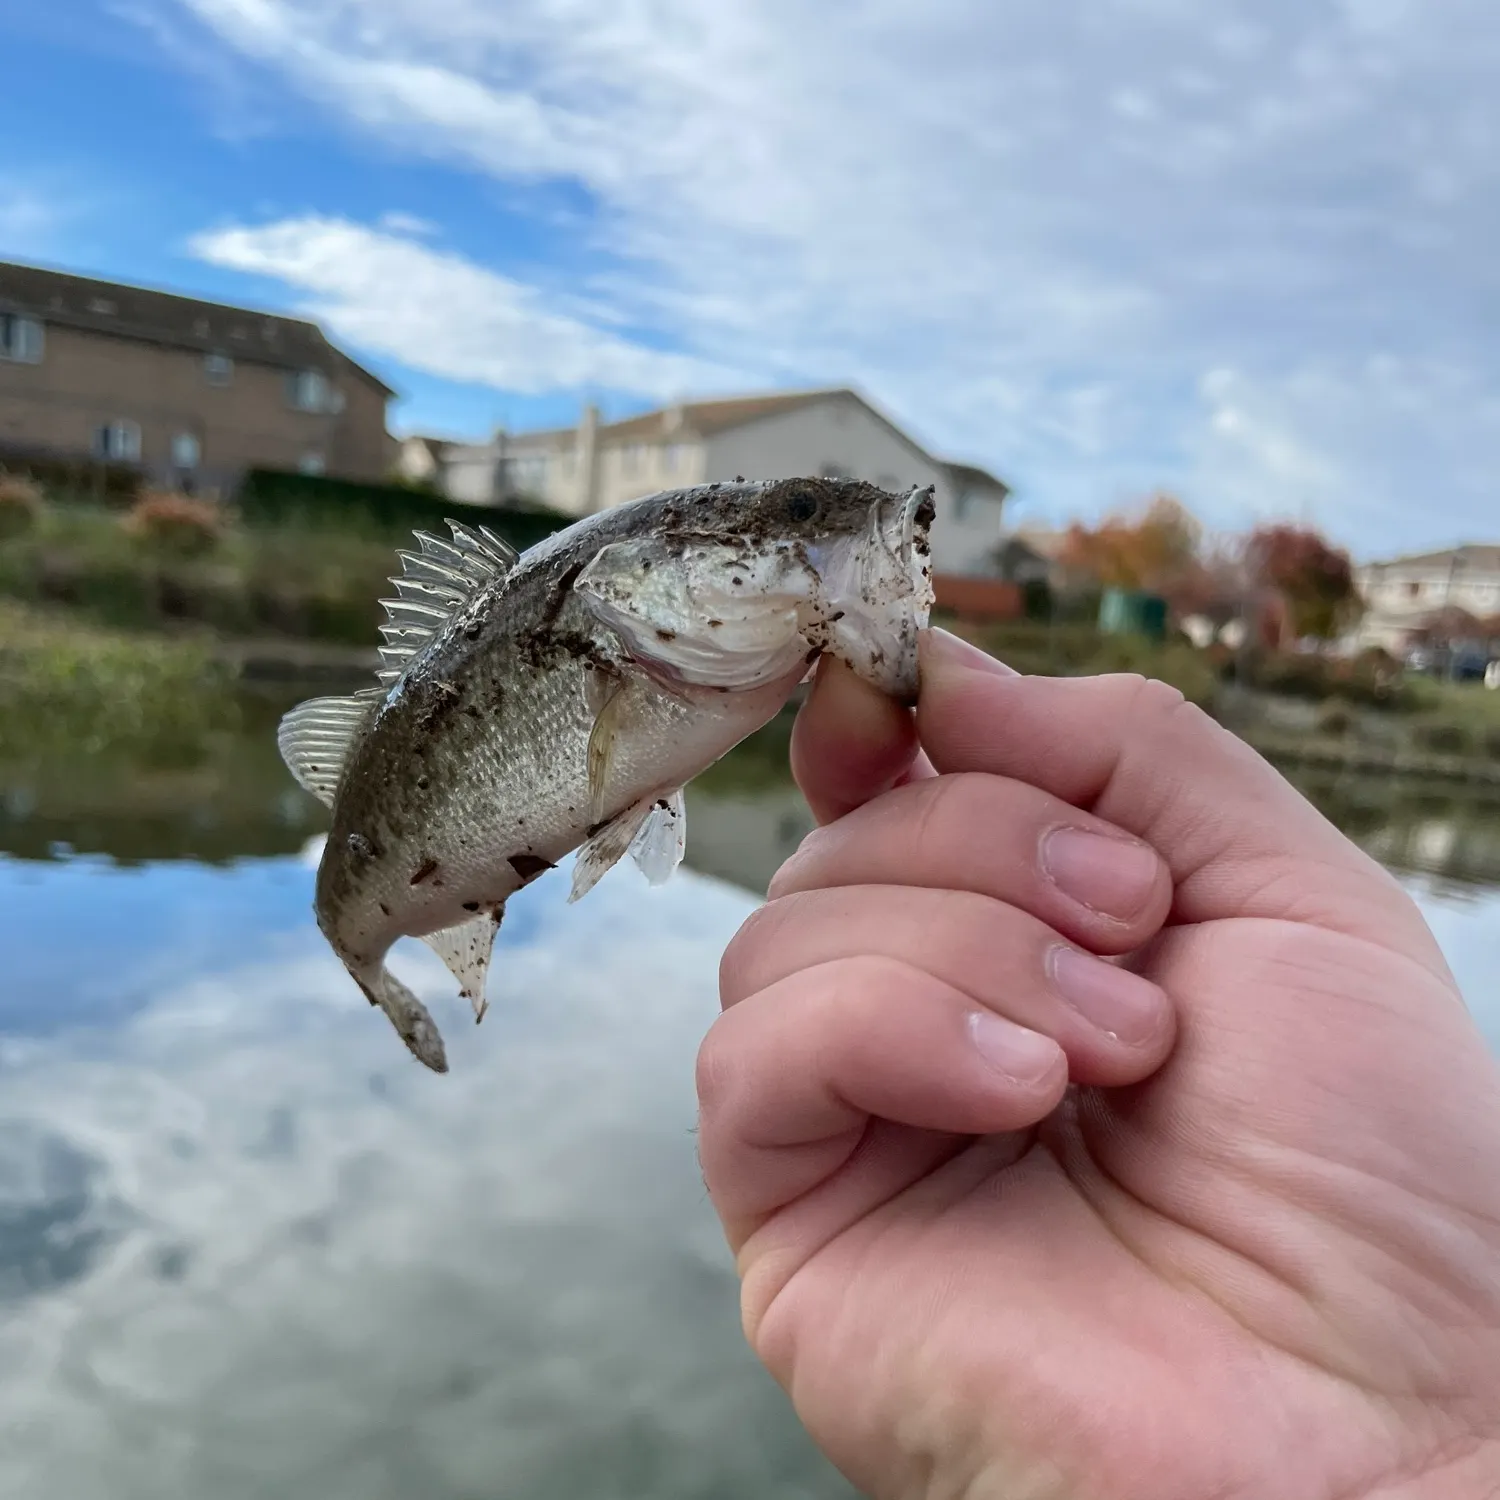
(1404, 595)
(191, 392)
(596, 465)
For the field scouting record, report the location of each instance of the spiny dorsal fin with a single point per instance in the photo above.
(435, 584)
(315, 739)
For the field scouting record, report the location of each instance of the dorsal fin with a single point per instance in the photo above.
(315, 739)
(435, 584)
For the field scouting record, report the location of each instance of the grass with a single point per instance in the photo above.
(298, 582)
(68, 688)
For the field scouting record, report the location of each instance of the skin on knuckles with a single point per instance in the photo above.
(989, 835)
(790, 1078)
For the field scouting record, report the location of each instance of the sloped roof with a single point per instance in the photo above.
(151, 316)
(973, 474)
(1471, 554)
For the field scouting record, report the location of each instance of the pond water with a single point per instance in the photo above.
(247, 1249)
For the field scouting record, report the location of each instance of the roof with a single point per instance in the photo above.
(145, 314)
(1470, 554)
(963, 474)
(705, 418)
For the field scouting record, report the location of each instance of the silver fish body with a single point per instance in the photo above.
(561, 700)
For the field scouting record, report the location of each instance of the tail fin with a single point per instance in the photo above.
(409, 1016)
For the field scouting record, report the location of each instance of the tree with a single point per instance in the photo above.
(1315, 578)
(1156, 550)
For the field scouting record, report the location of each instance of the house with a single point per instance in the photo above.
(191, 392)
(1405, 595)
(596, 465)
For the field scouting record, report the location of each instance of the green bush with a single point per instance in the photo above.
(20, 506)
(273, 498)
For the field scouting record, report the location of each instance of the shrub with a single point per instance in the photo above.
(1444, 739)
(175, 524)
(20, 505)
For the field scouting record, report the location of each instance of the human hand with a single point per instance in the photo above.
(1218, 1218)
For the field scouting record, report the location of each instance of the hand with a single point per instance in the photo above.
(1219, 1217)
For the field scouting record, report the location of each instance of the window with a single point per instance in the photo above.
(630, 458)
(185, 451)
(671, 458)
(118, 442)
(218, 368)
(20, 339)
(962, 503)
(309, 390)
(102, 305)
(312, 462)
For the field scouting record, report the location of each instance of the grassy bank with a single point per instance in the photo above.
(69, 688)
(298, 582)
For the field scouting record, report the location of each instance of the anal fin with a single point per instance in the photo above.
(465, 949)
(652, 831)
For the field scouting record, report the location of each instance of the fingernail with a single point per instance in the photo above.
(1114, 1000)
(1023, 1056)
(1112, 876)
(941, 648)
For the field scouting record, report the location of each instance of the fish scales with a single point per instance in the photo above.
(559, 702)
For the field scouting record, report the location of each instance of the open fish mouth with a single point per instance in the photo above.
(876, 593)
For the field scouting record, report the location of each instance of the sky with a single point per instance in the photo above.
(1240, 250)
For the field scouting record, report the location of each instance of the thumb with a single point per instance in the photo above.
(1239, 839)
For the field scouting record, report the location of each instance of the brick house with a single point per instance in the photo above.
(191, 392)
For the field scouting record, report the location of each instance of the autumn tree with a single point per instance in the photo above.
(1156, 550)
(1315, 578)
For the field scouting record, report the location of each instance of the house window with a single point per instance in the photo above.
(312, 462)
(1414, 589)
(186, 451)
(309, 390)
(20, 339)
(962, 501)
(218, 369)
(118, 442)
(630, 458)
(671, 458)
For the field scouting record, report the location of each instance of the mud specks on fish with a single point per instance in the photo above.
(529, 866)
(714, 624)
(385, 911)
(473, 630)
(739, 478)
(471, 906)
(424, 871)
(360, 847)
(472, 711)
(423, 782)
(663, 804)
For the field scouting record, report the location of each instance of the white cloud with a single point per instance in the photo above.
(410, 224)
(439, 313)
(981, 212)
(28, 219)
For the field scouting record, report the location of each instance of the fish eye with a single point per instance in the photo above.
(802, 506)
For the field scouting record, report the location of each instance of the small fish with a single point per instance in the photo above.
(535, 705)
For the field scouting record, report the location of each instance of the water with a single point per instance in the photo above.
(248, 1249)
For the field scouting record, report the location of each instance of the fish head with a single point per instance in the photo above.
(741, 586)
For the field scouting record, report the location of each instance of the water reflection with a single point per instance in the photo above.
(246, 1249)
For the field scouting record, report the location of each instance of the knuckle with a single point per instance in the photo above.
(713, 1074)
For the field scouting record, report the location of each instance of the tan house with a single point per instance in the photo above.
(1404, 594)
(596, 465)
(191, 392)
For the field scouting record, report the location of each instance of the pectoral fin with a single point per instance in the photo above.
(466, 950)
(652, 831)
(662, 840)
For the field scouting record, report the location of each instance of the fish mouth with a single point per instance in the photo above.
(876, 594)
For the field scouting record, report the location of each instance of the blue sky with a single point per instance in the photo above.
(1240, 251)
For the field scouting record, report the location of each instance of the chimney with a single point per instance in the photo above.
(587, 452)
